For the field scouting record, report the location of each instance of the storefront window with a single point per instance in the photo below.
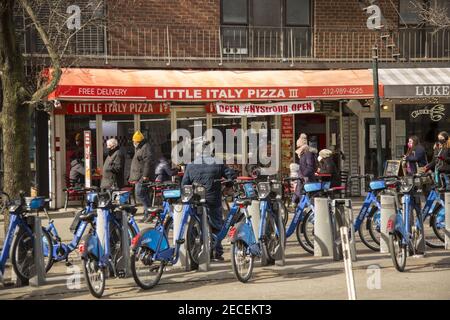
(75, 126)
(424, 121)
(255, 150)
(195, 124)
(120, 127)
(229, 147)
(156, 129)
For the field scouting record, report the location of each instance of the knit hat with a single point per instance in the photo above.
(325, 153)
(138, 136)
(302, 140)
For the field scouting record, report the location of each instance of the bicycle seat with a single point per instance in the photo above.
(89, 217)
(244, 202)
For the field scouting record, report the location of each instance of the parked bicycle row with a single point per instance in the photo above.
(156, 248)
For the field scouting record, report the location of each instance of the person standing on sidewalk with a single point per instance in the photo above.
(142, 171)
(415, 157)
(112, 176)
(206, 171)
(441, 158)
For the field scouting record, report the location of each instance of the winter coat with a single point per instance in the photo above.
(205, 173)
(77, 172)
(163, 171)
(307, 169)
(442, 166)
(112, 176)
(327, 165)
(142, 164)
(418, 156)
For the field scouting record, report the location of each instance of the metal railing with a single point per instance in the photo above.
(253, 45)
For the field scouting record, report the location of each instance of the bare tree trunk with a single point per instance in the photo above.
(15, 116)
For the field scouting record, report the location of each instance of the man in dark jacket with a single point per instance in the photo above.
(142, 170)
(204, 170)
(77, 172)
(112, 176)
(164, 171)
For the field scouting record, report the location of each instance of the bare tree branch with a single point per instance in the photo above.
(435, 14)
(55, 59)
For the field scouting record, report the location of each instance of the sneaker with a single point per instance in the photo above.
(217, 258)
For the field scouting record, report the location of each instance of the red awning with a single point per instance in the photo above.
(174, 85)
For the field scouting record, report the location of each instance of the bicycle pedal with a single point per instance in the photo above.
(181, 241)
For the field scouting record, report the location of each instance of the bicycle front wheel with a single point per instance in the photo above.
(241, 261)
(274, 232)
(95, 276)
(146, 272)
(369, 230)
(305, 232)
(398, 251)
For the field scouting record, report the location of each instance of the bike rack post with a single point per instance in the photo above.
(38, 273)
(348, 245)
(183, 260)
(387, 210)
(204, 256)
(447, 221)
(124, 263)
(280, 258)
(100, 228)
(323, 229)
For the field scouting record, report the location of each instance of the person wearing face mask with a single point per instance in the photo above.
(142, 170)
(415, 156)
(441, 158)
(112, 177)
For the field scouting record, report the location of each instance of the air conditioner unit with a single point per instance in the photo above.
(242, 51)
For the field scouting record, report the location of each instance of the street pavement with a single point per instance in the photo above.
(302, 277)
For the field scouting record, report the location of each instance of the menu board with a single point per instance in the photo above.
(393, 168)
(287, 142)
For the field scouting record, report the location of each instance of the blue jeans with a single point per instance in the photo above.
(216, 218)
(143, 196)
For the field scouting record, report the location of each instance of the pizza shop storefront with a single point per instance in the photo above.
(225, 106)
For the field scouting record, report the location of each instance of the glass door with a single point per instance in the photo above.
(190, 125)
(370, 159)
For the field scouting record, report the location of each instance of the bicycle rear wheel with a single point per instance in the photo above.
(22, 257)
(432, 232)
(398, 251)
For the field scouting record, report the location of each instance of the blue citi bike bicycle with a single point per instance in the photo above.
(101, 249)
(60, 251)
(405, 227)
(304, 211)
(151, 248)
(270, 239)
(22, 244)
(433, 212)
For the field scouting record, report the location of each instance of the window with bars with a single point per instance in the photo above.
(266, 28)
(89, 40)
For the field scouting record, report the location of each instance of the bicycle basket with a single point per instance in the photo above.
(35, 203)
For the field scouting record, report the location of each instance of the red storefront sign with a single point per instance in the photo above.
(209, 94)
(74, 108)
(245, 109)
